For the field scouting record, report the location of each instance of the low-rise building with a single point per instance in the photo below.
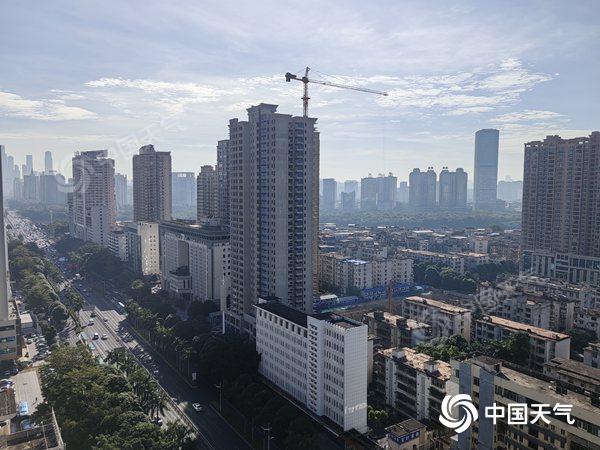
(451, 260)
(412, 384)
(591, 355)
(488, 382)
(573, 375)
(544, 345)
(319, 360)
(392, 330)
(523, 299)
(445, 319)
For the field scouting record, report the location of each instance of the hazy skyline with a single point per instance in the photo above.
(119, 76)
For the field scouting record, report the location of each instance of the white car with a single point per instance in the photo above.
(198, 407)
(96, 336)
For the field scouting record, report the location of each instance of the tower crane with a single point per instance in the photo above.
(290, 76)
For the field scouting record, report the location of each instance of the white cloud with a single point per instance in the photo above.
(477, 91)
(45, 109)
(527, 115)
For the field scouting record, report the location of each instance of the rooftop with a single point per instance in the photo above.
(575, 369)
(530, 329)
(290, 314)
(419, 361)
(411, 324)
(537, 385)
(406, 427)
(437, 304)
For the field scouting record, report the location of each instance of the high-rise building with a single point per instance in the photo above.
(120, 190)
(321, 361)
(48, 161)
(223, 181)
(93, 199)
(9, 172)
(388, 187)
(422, 189)
(184, 189)
(9, 346)
(195, 260)
(348, 202)
(453, 189)
(52, 188)
(207, 194)
(561, 206)
(486, 169)
(402, 196)
(274, 216)
(31, 188)
(28, 165)
(352, 186)
(368, 193)
(510, 191)
(329, 194)
(151, 185)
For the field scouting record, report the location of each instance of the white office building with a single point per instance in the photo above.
(195, 260)
(319, 360)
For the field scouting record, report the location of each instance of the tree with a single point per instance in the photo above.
(580, 338)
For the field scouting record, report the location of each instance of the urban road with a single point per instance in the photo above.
(110, 324)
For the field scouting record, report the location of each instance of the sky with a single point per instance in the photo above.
(118, 75)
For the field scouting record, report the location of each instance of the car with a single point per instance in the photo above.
(104, 337)
(105, 319)
(155, 372)
(90, 322)
(158, 421)
(29, 341)
(93, 314)
(198, 407)
(96, 336)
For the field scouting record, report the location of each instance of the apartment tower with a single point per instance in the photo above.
(274, 201)
(207, 194)
(151, 185)
(93, 201)
(561, 208)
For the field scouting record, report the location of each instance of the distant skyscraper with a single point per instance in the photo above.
(274, 200)
(48, 161)
(52, 188)
(402, 196)
(368, 193)
(151, 185)
(422, 188)
(351, 186)
(28, 165)
(184, 189)
(561, 208)
(329, 194)
(206, 194)
(348, 201)
(120, 190)
(93, 199)
(486, 169)
(223, 181)
(510, 191)
(388, 186)
(453, 189)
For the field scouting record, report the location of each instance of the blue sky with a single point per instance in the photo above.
(118, 75)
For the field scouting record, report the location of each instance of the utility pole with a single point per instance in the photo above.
(220, 388)
(268, 430)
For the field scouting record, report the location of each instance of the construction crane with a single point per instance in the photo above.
(290, 76)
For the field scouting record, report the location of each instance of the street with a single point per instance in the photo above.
(110, 323)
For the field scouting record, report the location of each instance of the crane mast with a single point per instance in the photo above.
(305, 80)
